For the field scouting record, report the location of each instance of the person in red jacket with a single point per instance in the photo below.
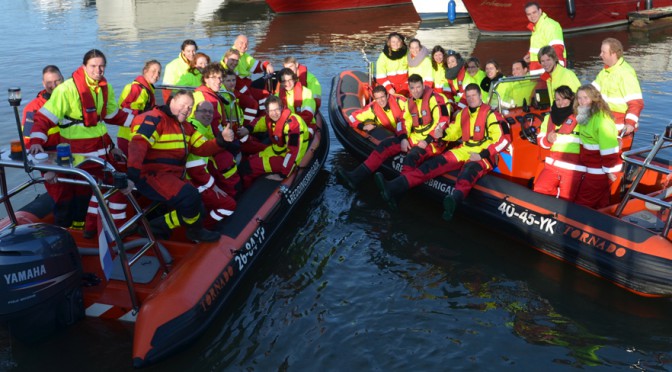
(51, 78)
(157, 156)
(297, 98)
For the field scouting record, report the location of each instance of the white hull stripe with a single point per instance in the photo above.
(96, 309)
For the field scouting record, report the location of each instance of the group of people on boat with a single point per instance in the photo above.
(435, 104)
(215, 134)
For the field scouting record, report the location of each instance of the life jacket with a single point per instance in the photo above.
(298, 95)
(278, 137)
(382, 116)
(150, 92)
(423, 120)
(480, 126)
(303, 75)
(459, 79)
(89, 112)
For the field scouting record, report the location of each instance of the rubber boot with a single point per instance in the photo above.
(354, 177)
(450, 203)
(197, 233)
(159, 228)
(390, 190)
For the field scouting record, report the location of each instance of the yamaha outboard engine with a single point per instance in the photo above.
(40, 280)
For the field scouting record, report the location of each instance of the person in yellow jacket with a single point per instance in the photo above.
(179, 66)
(138, 96)
(474, 73)
(419, 62)
(555, 75)
(193, 77)
(247, 65)
(545, 31)
(297, 98)
(517, 93)
(306, 78)
(392, 65)
(438, 61)
(619, 86)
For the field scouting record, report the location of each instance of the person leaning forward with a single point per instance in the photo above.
(157, 159)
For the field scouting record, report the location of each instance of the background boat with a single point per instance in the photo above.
(293, 6)
(438, 9)
(507, 17)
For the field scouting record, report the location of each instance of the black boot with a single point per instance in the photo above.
(354, 177)
(450, 203)
(159, 227)
(390, 190)
(197, 233)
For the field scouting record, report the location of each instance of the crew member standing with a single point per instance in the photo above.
(392, 65)
(555, 75)
(545, 31)
(619, 86)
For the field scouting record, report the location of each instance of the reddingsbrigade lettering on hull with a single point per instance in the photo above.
(296, 192)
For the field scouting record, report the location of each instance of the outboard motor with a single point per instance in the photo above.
(40, 275)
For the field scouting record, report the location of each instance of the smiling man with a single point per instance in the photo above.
(545, 31)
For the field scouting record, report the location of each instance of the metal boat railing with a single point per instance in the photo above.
(507, 80)
(633, 158)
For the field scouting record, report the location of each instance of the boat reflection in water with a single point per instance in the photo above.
(341, 30)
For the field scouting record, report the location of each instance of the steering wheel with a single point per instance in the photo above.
(527, 129)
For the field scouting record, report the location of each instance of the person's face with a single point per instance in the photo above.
(230, 82)
(214, 81)
(416, 89)
(95, 68)
(490, 70)
(274, 111)
(181, 106)
(201, 62)
(474, 98)
(561, 101)
(241, 44)
(287, 82)
(189, 52)
(583, 99)
(607, 56)
(438, 57)
(533, 13)
(414, 48)
(517, 69)
(472, 68)
(395, 43)
(547, 63)
(51, 80)
(451, 62)
(232, 61)
(292, 66)
(204, 112)
(152, 73)
(380, 98)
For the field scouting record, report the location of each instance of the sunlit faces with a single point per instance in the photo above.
(232, 61)
(416, 89)
(395, 43)
(517, 69)
(201, 62)
(274, 111)
(414, 48)
(561, 101)
(473, 97)
(204, 112)
(533, 13)
(95, 68)
(287, 82)
(189, 52)
(438, 57)
(491, 70)
(292, 66)
(152, 73)
(451, 61)
(583, 98)
(241, 44)
(608, 58)
(213, 81)
(547, 63)
(181, 106)
(380, 98)
(229, 82)
(51, 80)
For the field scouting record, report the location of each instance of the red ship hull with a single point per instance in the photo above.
(292, 6)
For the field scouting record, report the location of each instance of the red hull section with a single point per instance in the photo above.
(488, 14)
(293, 6)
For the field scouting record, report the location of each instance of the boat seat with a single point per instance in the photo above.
(646, 220)
(249, 204)
(143, 271)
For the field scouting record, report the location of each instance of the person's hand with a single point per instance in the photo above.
(50, 177)
(369, 127)
(526, 58)
(269, 68)
(242, 132)
(219, 192)
(405, 145)
(438, 131)
(474, 156)
(552, 137)
(128, 188)
(422, 144)
(628, 129)
(118, 154)
(34, 149)
(392, 91)
(612, 177)
(227, 133)
(274, 177)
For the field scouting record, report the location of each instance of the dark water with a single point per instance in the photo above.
(352, 285)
